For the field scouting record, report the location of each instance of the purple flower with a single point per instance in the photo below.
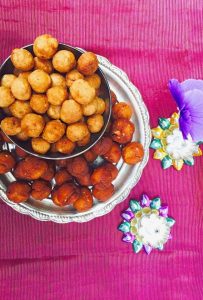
(189, 98)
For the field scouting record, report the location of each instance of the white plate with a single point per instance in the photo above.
(128, 175)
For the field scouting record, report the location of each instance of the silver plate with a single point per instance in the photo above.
(128, 175)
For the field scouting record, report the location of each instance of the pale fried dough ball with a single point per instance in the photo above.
(76, 132)
(101, 106)
(39, 103)
(84, 141)
(56, 95)
(72, 76)
(43, 64)
(21, 89)
(54, 111)
(64, 145)
(22, 59)
(40, 146)
(32, 124)
(82, 92)
(87, 63)
(71, 111)
(24, 75)
(90, 108)
(18, 191)
(122, 110)
(22, 136)
(40, 81)
(6, 97)
(11, 125)
(7, 80)
(45, 46)
(94, 81)
(20, 108)
(58, 79)
(95, 123)
(64, 61)
(53, 131)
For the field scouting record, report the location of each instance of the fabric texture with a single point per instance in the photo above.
(152, 41)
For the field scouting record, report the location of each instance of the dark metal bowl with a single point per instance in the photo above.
(8, 68)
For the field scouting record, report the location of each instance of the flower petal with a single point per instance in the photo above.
(191, 84)
(176, 91)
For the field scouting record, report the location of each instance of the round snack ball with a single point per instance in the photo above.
(6, 97)
(22, 136)
(82, 92)
(57, 79)
(72, 76)
(53, 131)
(18, 191)
(40, 81)
(101, 106)
(133, 153)
(103, 194)
(43, 64)
(7, 162)
(20, 108)
(87, 63)
(90, 108)
(71, 111)
(32, 125)
(122, 110)
(122, 131)
(45, 46)
(24, 75)
(62, 176)
(20, 89)
(50, 172)
(77, 131)
(54, 111)
(64, 61)
(102, 146)
(22, 59)
(95, 123)
(114, 153)
(94, 81)
(7, 80)
(85, 140)
(41, 189)
(77, 166)
(40, 146)
(85, 201)
(56, 95)
(64, 145)
(66, 194)
(11, 125)
(39, 103)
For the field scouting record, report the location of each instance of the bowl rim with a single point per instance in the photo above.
(69, 156)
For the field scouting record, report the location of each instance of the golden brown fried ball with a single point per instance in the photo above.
(7, 80)
(72, 76)
(32, 124)
(65, 146)
(102, 146)
(71, 111)
(82, 92)
(45, 46)
(41, 189)
(54, 111)
(94, 81)
(66, 194)
(56, 95)
(62, 176)
(50, 172)
(6, 97)
(87, 63)
(53, 131)
(7, 162)
(122, 110)
(40, 81)
(84, 180)
(21, 89)
(85, 140)
(64, 61)
(103, 194)
(90, 108)
(39, 103)
(18, 191)
(39, 145)
(58, 80)
(114, 171)
(30, 168)
(113, 98)
(22, 59)
(114, 153)
(95, 123)
(77, 131)
(101, 177)
(77, 166)
(43, 64)
(90, 156)
(22, 136)
(101, 106)
(85, 200)
(11, 125)
(20, 108)
(133, 153)
(24, 75)
(20, 152)
(122, 131)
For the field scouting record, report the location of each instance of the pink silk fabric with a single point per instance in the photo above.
(152, 41)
